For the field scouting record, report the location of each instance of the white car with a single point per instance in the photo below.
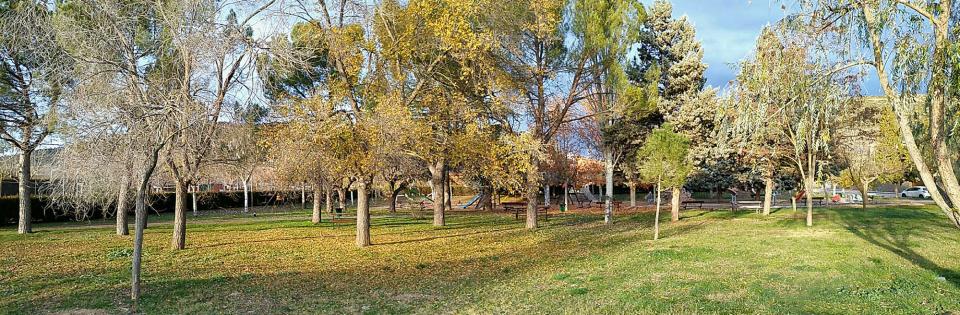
(916, 192)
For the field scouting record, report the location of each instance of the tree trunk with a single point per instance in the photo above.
(808, 185)
(436, 185)
(566, 195)
(633, 194)
(656, 217)
(179, 216)
(793, 200)
(363, 215)
(193, 195)
(122, 207)
(768, 195)
(394, 194)
(140, 222)
(546, 195)
(303, 195)
(328, 198)
(608, 205)
(447, 189)
(24, 187)
(863, 193)
(675, 210)
(342, 198)
(531, 193)
(938, 106)
(246, 196)
(903, 121)
(317, 190)
(140, 212)
(486, 197)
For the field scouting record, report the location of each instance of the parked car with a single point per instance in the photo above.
(916, 192)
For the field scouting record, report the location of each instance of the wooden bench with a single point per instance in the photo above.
(816, 201)
(338, 217)
(581, 200)
(616, 204)
(418, 210)
(519, 208)
(689, 203)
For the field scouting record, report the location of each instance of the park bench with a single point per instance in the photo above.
(581, 200)
(418, 210)
(520, 208)
(338, 216)
(690, 204)
(616, 204)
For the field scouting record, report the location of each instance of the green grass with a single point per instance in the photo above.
(889, 260)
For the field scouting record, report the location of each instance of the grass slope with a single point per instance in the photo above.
(884, 260)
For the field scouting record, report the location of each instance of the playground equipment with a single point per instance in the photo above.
(585, 191)
(667, 194)
(472, 201)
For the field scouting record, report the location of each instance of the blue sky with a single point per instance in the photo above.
(728, 30)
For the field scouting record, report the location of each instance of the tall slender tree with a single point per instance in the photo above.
(609, 29)
(664, 160)
(908, 44)
(788, 64)
(34, 77)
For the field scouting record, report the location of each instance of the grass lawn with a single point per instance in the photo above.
(884, 260)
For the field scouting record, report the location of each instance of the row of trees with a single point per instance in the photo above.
(363, 94)
(796, 100)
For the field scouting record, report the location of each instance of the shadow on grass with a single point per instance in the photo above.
(405, 278)
(266, 241)
(426, 239)
(893, 230)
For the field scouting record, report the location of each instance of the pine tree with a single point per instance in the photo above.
(672, 44)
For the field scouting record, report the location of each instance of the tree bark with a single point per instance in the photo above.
(122, 207)
(808, 185)
(363, 215)
(179, 216)
(394, 194)
(793, 200)
(24, 187)
(486, 197)
(140, 212)
(608, 174)
(303, 195)
(193, 195)
(768, 195)
(448, 188)
(633, 194)
(317, 190)
(546, 195)
(863, 193)
(531, 193)
(436, 185)
(342, 198)
(328, 194)
(656, 217)
(246, 196)
(675, 210)
(937, 89)
(140, 218)
(903, 121)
